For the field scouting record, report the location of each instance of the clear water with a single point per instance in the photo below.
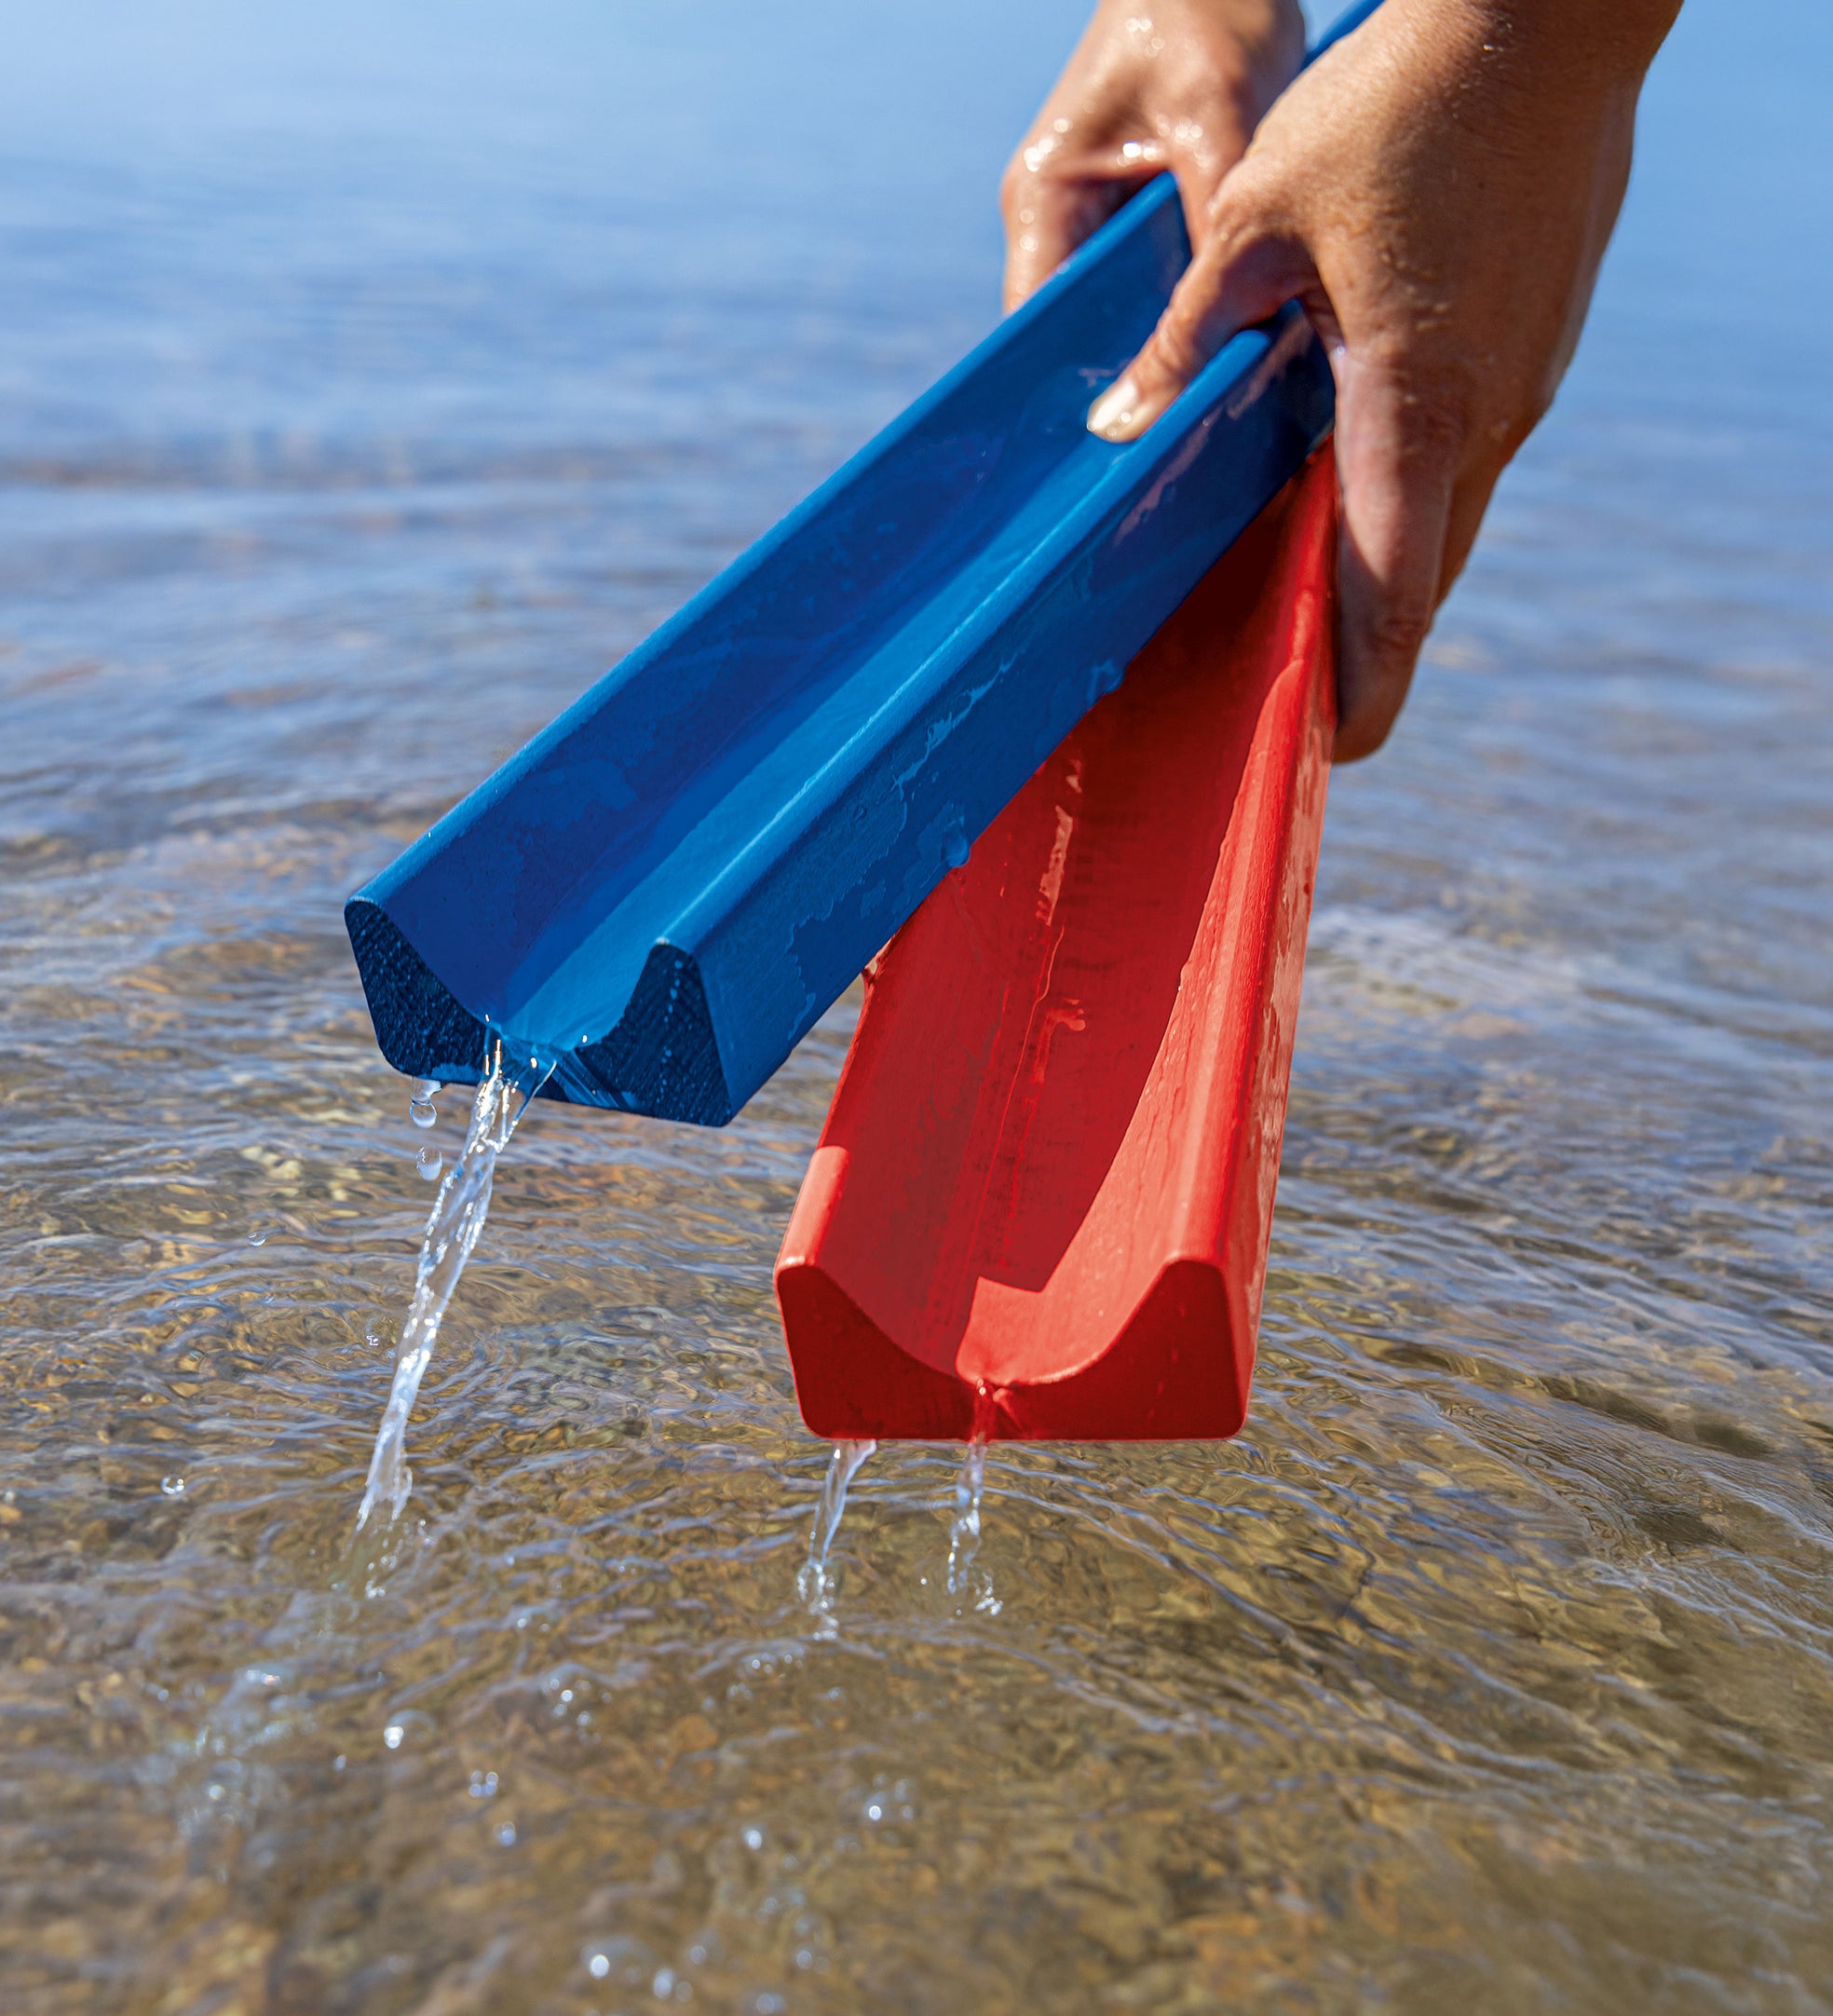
(817, 1583)
(459, 1214)
(964, 1528)
(368, 380)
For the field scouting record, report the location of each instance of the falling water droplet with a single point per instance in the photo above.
(174, 1487)
(258, 1235)
(428, 1162)
(422, 1113)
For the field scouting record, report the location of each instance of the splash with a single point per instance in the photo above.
(453, 1230)
(814, 1584)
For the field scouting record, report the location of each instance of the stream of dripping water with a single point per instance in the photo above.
(964, 1528)
(814, 1584)
(453, 1230)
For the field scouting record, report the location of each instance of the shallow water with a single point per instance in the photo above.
(366, 389)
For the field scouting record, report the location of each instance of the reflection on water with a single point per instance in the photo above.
(1491, 1668)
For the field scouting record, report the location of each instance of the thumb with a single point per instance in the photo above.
(1239, 276)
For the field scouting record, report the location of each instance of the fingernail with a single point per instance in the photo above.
(1113, 415)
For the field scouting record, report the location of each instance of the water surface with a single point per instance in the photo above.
(366, 386)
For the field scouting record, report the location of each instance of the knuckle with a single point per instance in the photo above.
(1396, 634)
(1250, 202)
(1237, 211)
(1176, 349)
(1181, 345)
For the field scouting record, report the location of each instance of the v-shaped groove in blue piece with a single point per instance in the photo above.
(665, 888)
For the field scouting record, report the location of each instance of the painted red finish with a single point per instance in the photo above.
(1040, 1205)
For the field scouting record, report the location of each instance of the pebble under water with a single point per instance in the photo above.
(365, 393)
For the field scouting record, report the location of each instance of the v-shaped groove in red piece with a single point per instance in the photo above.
(1041, 1202)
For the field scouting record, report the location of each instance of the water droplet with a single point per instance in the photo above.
(955, 848)
(663, 1984)
(599, 1965)
(876, 1811)
(258, 1235)
(174, 1487)
(753, 1838)
(429, 1162)
(422, 1113)
(484, 1784)
(506, 1835)
(392, 1735)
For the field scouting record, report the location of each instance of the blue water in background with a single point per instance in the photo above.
(369, 379)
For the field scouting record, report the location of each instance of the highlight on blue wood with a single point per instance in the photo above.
(663, 889)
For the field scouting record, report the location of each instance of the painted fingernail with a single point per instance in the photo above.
(1113, 415)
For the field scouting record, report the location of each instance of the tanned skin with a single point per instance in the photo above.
(1438, 190)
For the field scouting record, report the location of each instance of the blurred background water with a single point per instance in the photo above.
(369, 379)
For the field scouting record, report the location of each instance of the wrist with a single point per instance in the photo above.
(1602, 43)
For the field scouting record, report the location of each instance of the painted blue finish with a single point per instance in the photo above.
(667, 886)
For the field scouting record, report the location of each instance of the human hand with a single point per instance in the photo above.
(1153, 84)
(1438, 190)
